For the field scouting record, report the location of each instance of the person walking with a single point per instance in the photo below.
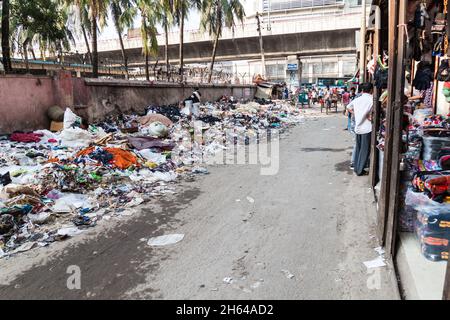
(361, 108)
(346, 101)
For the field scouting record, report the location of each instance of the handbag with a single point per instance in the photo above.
(444, 71)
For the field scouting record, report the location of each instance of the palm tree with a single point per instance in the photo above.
(217, 14)
(123, 14)
(6, 49)
(148, 10)
(85, 25)
(97, 11)
(166, 20)
(181, 9)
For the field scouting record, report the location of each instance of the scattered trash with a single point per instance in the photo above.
(257, 284)
(380, 251)
(69, 232)
(228, 280)
(288, 274)
(198, 170)
(376, 263)
(165, 240)
(84, 174)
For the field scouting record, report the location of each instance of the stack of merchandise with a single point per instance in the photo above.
(427, 199)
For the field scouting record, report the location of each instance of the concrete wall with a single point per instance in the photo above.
(24, 100)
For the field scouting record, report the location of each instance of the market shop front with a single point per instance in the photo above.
(407, 60)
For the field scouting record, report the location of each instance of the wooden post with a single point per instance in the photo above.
(386, 175)
(446, 295)
(391, 228)
(377, 107)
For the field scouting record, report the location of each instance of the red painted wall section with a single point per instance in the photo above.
(63, 89)
(24, 101)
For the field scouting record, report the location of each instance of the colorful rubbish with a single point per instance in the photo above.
(62, 183)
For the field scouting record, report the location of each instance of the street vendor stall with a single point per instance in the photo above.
(410, 173)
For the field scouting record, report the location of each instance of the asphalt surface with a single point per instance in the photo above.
(302, 233)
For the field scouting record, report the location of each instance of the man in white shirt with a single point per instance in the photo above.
(362, 107)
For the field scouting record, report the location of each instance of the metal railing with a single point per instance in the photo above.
(300, 4)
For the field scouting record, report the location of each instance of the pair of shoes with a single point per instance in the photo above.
(365, 173)
(346, 129)
(352, 166)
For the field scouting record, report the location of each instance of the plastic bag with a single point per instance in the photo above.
(71, 120)
(157, 129)
(75, 138)
(152, 156)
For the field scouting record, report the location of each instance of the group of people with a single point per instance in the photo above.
(325, 96)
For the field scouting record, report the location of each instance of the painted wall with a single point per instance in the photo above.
(24, 100)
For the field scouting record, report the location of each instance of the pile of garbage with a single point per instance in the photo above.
(56, 185)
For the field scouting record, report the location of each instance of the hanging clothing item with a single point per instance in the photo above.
(424, 76)
(427, 96)
(381, 77)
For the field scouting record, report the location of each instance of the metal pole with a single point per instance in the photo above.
(261, 45)
(362, 46)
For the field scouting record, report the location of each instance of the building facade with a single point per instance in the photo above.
(310, 15)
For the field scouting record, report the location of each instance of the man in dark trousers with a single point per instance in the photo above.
(361, 107)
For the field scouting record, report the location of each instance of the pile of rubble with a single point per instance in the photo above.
(55, 185)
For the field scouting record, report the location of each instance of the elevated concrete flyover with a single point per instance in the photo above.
(306, 35)
(275, 46)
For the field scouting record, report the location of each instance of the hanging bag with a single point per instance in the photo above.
(444, 71)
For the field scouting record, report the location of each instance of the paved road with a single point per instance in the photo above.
(314, 219)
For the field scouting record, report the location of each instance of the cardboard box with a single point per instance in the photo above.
(56, 126)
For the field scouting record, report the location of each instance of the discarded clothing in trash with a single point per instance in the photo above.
(141, 143)
(121, 159)
(172, 112)
(5, 179)
(154, 117)
(25, 137)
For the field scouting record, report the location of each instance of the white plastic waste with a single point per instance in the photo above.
(157, 129)
(75, 138)
(71, 119)
(157, 158)
(69, 232)
(165, 240)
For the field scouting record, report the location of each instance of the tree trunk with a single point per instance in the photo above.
(155, 74)
(86, 41)
(122, 47)
(33, 54)
(94, 39)
(213, 59)
(181, 45)
(25, 54)
(147, 71)
(166, 31)
(6, 50)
